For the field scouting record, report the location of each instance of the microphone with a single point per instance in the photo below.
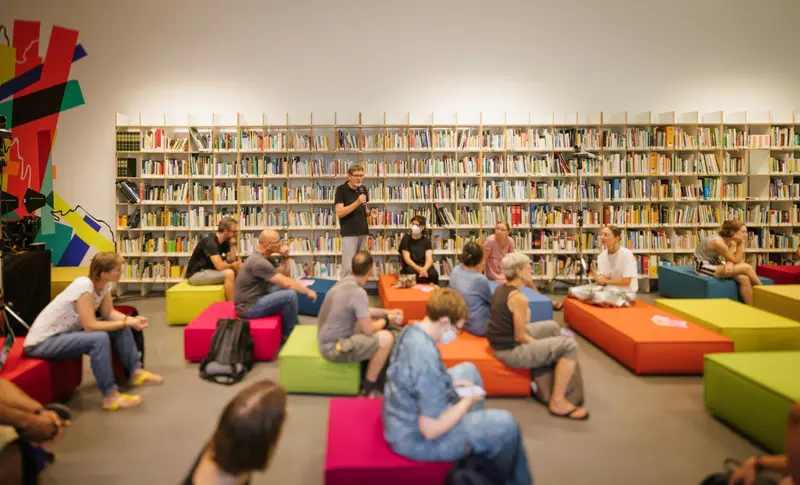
(361, 190)
(580, 153)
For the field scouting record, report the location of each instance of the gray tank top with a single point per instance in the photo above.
(704, 252)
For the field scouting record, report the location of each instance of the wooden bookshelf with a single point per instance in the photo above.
(667, 179)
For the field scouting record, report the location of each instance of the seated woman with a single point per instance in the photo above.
(245, 438)
(416, 253)
(495, 248)
(617, 278)
(434, 414)
(728, 244)
(523, 345)
(468, 280)
(68, 328)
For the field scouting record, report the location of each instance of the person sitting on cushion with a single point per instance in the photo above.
(523, 345)
(416, 253)
(67, 328)
(351, 331)
(495, 248)
(245, 439)
(616, 280)
(263, 290)
(468, 280)
(214, 260)
(728, 244)
(425, 417)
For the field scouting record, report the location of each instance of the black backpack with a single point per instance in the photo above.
(475, 470)
(231, 354)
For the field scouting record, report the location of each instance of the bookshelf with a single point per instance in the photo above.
(667, 179)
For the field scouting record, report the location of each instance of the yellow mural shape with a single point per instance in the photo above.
(81, 228)
(7, 56)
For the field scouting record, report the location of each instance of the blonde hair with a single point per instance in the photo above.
(103, 263)
(446, 302)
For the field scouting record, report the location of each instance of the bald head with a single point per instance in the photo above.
(269, 240)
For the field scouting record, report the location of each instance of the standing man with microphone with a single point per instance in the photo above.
(350, 202)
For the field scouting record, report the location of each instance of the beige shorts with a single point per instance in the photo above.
(355, 348)
(207, 277)
(546, 350)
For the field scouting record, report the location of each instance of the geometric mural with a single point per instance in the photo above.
(33, 92)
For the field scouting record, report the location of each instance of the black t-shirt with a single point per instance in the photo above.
(201, 256)
(354, 223)
(416, 247)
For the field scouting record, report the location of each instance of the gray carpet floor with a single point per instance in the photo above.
(651, 430)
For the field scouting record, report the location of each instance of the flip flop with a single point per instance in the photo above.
(569, 415)
(147, 377)
(559, 305)
(124, 401)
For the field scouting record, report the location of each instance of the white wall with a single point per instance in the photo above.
(417, 56)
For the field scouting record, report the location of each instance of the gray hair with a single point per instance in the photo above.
(511, 263)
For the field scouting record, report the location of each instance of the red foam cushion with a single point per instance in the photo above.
(411, 300)
(498, 379)
(781, 275)
(30, 375)
(357, 452)
(266, 333)
(630, 336)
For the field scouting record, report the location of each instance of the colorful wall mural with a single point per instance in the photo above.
(34, 91)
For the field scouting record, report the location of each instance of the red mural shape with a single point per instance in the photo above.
(29, 149)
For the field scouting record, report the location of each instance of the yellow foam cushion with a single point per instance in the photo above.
(61, 277)
(185, 302)
(781, 300)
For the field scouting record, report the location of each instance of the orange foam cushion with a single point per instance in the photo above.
(410, 300)
(498, 379)
(630, 336)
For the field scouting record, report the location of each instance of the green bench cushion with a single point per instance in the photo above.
(186, 302)
(751, 329)
(304, 370)
(753, 392)
(781, 300)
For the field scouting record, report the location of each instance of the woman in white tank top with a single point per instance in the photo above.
(722, 256)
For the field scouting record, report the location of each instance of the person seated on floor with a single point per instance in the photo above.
(728, 244)
(787, 465)
(24, 424)
(245, 439)
(351, 331)
(264, 285)
(68, 328)
(435, 414)
(214, 260)
(416, 253)
(616, 280)
(495, 248)
(469, 281)
(523, 345)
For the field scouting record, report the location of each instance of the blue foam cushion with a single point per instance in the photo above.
(541, 306)
(684, 282)
(321, 286)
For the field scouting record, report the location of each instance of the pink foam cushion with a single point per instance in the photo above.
(358, 454)
(781, 275)
(266, 333)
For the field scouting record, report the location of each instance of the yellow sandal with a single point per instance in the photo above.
(147, 377)
(124, 401)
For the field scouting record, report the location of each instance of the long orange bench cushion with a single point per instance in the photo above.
(630, 336)
(498, 380)
(410, 300)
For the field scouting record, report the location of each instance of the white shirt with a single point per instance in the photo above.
(621, 264)
(61, 314)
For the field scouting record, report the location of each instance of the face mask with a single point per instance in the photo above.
(449, 333)
(416, 229)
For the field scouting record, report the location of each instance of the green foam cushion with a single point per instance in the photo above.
(304, 370)
(750, 328)
(186, 302)
(753, 392)
(781, 300)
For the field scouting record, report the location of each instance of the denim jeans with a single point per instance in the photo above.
(277, 300)
(98, 345)
(492, 432)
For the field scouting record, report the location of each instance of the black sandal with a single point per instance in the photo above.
(569, 414)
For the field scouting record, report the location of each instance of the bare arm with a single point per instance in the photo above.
(88, 320)
(289, 283)
(734, 257)
(232, 256)
(518, 305)
(343, 210)
(432, 428)
(367, 326)
(107, 310)
(219, 264)
(14, 397)
(428, 260)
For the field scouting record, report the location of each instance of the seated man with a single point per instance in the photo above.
(523, 345)
(787, 465)
(416, 253)
(617, 276)
(24, 423)
(351, 331)
(468, 280)
(207, 267)
(263, 290)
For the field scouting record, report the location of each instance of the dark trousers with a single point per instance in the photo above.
(433, 275)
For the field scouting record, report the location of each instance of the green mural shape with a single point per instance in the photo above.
(57, 242)
(73, 97)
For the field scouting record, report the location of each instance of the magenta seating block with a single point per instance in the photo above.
(782, 275)
(358, 454)
(266, 333)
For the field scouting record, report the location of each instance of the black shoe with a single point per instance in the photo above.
(374, 392)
